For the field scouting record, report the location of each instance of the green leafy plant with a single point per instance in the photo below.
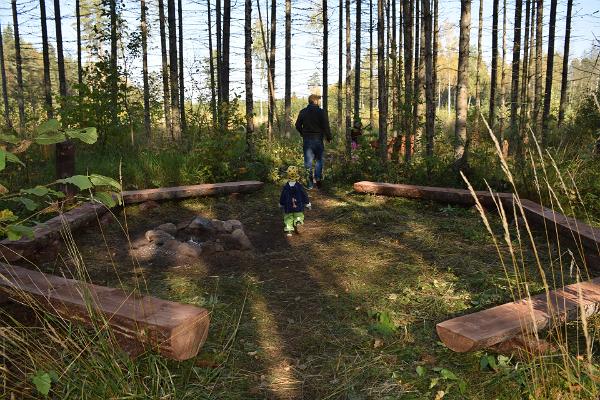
(43, 381)
(383, 323)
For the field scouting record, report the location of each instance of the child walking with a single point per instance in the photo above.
(293, 200)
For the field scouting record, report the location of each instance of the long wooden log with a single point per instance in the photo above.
(180, 192)
(489, 327)
(176, 330)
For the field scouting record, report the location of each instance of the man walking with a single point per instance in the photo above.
(313, 125)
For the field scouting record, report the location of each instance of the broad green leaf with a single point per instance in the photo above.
(2, 159)
(81, 181)
(434, 382)
(86, 135)
(42, 382)
(447, 374)
(7, 215)
(100, 180)
(50, 138)
(37, 191)
(421, 370)
(12, 139)
(484, 365)
(52, 125)
(10, 157)
(109, 199)
(29, 204)
(462, 386)
(16, 232)
(492, 362)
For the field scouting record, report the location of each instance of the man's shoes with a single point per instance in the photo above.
(298, 228)
(309, 186)
(319, 184)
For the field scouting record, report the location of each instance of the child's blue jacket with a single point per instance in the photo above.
(293, 198)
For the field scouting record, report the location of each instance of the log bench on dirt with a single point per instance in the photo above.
(496, 325)
(176, 330)
(181, 192)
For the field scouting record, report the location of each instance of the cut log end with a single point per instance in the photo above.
(455, 341)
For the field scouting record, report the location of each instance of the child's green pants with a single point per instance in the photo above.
(290, 219)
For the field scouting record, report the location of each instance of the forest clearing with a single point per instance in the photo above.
(391, 199)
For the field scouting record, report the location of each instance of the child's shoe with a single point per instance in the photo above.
(298, 228)
(288, 234)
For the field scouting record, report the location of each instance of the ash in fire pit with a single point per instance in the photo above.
(191, 239)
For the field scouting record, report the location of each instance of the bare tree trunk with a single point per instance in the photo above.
(381, 83)
(462, 83)
(248, 75)
(494, 72)
(219, 19)
(270, 77)
(46, 58)
(503, 75)
(394, 79)
(417, 81)
(347, 87)
(19, 62)
(181, 76)
(525, 78)
(340, 63)
(357, 62)
(539, 54)
(478, 69)
(549, 71)
(165, 68)
(565, 68)
(429, 88)
(211, 63)
(371, 88)
(435, 52)
(407, 8)
(325, 57)
(271, 63)
(516, 61)
(226, 50)
(65, 151)
(79, 59)
(420, 100)
(7, 119)
(173, 73)
(288, 68)
(144, 29)
(114, 73)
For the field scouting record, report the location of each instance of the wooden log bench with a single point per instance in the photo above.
(176, 330)
(181, 192)
(496, 325)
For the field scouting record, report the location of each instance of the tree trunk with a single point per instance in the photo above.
(416, 116)
(173, 73)
(394, 61)
(144, 29)
(381, 83)
(325, 57)
(429, 88)
(549, 71)
(114, 73)
(516, 61)
(503, 76)
(226, 50)
(271, 63)
(7, 119)
(65, 151)
(165, 67)
(347, 86)
(478, 69)
(462, 82)
(539, 54)
(248, 75)
(525, 78)
(408, 81)
(420, 94)
(435, 53)
(181, 76)
(46, 58)
(219, 57)
(565, 68)
(357, 63)
(79, 59)
(340, 64)
(494, 72)
(371, 89)
(211, 67)
(19, 62)
(288, 68)
(270, 78)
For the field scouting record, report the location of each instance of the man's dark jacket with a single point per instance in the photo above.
(313, 122)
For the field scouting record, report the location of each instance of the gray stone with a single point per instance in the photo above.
(171, 245)
(189, 249)
(235, 224)
(158, 236)
(220, 226)
(241, 240)
(169, 227)
(148, 205)
(183, 225)
(212, 247)
(201, 225)
(139, 242)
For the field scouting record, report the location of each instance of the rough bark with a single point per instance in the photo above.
(19, 62)
(460, 127)
(549, 71)
(357, 62)
(371, 88)
(394, 78)
(173, 73)
(226, 50)
(381, 83)
(272, 43)
(516, 62)
(340, 63)
(288, 68)
(248, 74)
(435, 52)
(408, 81)
(494, 68)
(417, 78)
(181, 76)
(347, 86)
(219, 33)
(144, 30)
(165, 67)
(211, 66)
(478, 68)
(46, 60)
(7, 119)
(539, 54)
(79, 58)
(565, 68)
(325, 57)
(525, 78)
(429, 87)
(503, 76)
(114, 73)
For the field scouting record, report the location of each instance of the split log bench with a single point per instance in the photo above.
(176, 330)
(181, 192)
(498, 324)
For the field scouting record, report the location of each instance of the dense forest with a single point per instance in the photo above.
(162, 132)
